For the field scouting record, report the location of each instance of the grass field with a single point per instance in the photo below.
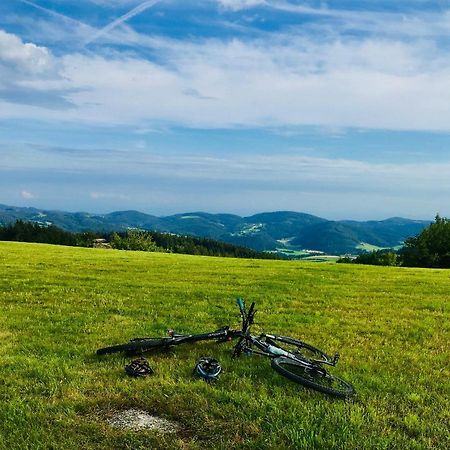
(59, 304)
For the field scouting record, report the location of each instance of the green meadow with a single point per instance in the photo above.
(59, 304)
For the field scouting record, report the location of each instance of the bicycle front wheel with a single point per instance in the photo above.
(315, 378)
(136, 346)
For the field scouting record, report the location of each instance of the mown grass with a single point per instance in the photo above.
(58, 305)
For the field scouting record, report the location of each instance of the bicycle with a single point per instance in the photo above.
(291, 358)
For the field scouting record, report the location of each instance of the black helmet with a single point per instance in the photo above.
(208, 368)
(138, 368)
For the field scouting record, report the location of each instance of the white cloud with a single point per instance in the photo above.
(27, 59)
(27, 195)
(277, 80)
(370, 84)
(29, 75)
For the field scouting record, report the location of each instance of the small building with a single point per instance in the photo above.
(101, 243)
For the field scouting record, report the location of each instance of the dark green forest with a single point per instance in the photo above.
(430, 248)
(24, 231)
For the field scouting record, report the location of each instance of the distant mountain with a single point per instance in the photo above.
(329, 237)
(282, 231)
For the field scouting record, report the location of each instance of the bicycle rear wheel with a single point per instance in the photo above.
(316, 378)
(136, 346)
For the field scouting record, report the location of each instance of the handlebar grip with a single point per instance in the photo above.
(240, 303)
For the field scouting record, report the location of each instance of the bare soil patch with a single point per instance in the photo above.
(137, 419)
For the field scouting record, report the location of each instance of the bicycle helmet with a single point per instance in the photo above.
(138, 368)
(208, 368)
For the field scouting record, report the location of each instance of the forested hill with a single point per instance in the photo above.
(284, 231)
(22, 231)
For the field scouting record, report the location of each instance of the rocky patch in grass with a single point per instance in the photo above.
(136, 419)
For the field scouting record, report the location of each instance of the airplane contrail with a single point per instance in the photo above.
(53, 13)
(134, 12)
(115, 23)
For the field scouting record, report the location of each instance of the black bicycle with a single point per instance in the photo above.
(292, 358)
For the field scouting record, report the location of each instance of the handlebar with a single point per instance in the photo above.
(247, 317)
(241, 305)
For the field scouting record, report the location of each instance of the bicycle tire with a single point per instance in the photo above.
(307, 351)
(328, 384)
(136, 346)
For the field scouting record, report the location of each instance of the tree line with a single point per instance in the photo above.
(141, 240)
(430, 248)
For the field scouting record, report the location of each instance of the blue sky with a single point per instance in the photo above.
(335, 108)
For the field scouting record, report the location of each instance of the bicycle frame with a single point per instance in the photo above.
(270, 349)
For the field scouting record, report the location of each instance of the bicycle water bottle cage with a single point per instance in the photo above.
(208, 368)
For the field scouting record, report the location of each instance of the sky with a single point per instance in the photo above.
(337, 108)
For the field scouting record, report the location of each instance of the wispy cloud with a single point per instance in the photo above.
(107, 195)
(415, 21)
(332, 187)
(55, 14)
(284, 170)
(294, 78)
(368, 83)
(237, 5)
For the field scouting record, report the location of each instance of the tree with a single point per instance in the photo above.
(135, 240)
(430, 248)
(385, 257)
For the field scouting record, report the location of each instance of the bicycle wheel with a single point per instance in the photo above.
(297, 347)
(136, 346)
(316, 378)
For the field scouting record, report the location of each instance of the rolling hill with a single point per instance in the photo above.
(270, 231)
